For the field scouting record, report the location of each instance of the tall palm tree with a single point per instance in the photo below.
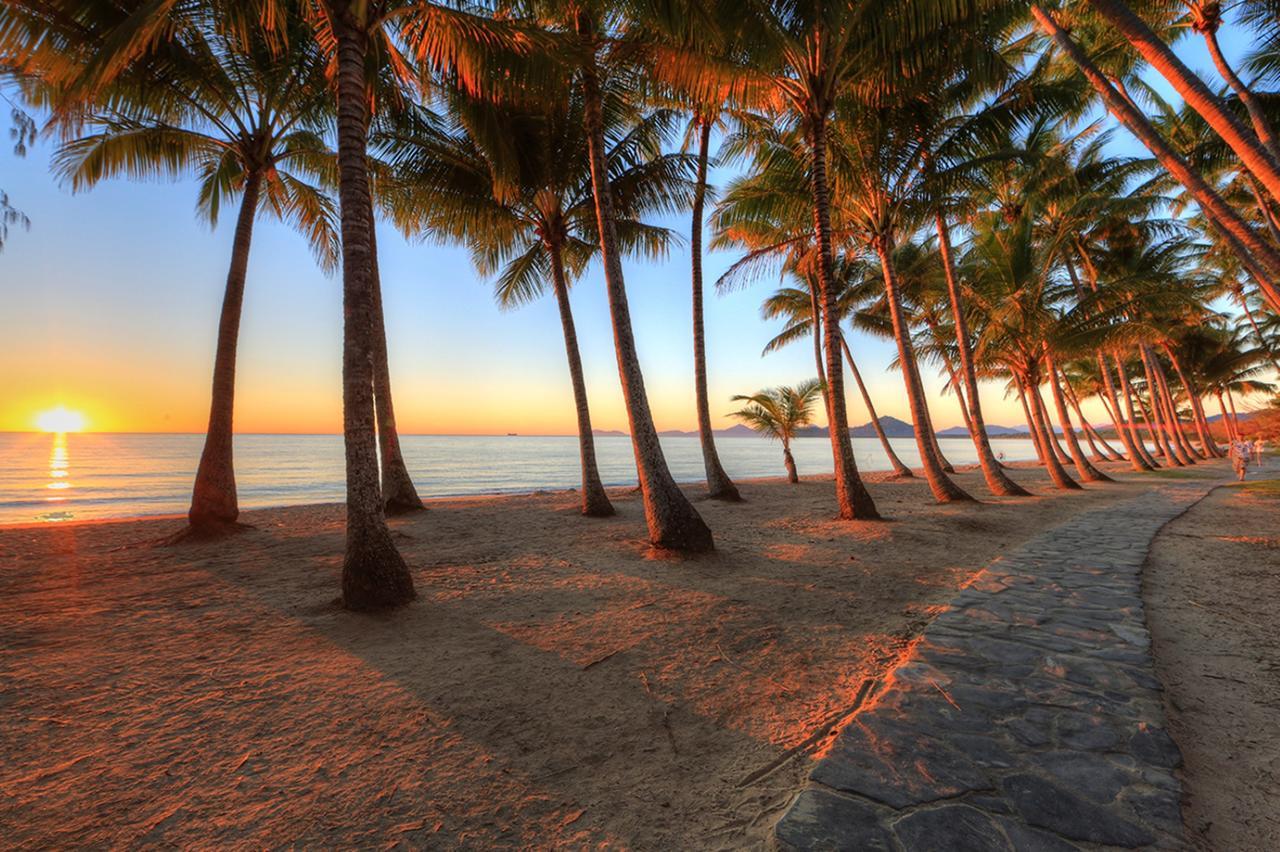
(1011, 276)
(671, 518)
(779, 413)
(368, 38)
(515, 187)
(878, 174)
(1252, 152)
(1259, 255)
(719, 485)
(249, 119)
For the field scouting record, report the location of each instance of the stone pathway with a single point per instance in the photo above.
(1027, 717)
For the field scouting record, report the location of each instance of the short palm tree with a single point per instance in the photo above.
(779, 413)
(249, 119)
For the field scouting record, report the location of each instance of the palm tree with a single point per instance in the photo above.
(1259, 256)
(719, 485)
(529, 219)
(591, 34)
(778, 413)
(1010, 274)
(798, 309)
(877, 176)
(366, 38)
(1251, 151)
(249, 120)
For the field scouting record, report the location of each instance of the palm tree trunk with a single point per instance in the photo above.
(1051, 437)
(672, 521)
(1102, 450)
(1085, 429)
(789, 460)
(1099, 448)
(595, 502)
(943, 488)
(1207, 447)
(1031, 424)
(817, 345)
(374, 575)
(1227, 426)
(1124, 431)
(1253, 156)
(1171, 404)
(1257, 115)
(852, 496)
(1166, 417)
(1083, 466)
(1235, 418)
(1136, 437)
(1156, 436)
(1057, 473)
(1254, 251)
(214, 504)
(899, 469)
(1136, 457)
(958, 390)
(997, 482)
(719, 485)
(932, 433)
(1264, 207)
(399, 495)
(1179, 428)
(1155, 423)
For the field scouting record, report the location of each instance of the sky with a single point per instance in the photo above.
(109, 306)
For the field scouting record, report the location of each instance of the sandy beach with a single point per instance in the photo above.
(555, 683)
(1213, 589)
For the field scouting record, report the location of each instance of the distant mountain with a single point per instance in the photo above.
(735, 431)
(893, 428)
(1243, 415)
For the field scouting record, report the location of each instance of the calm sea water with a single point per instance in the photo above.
(80, 476)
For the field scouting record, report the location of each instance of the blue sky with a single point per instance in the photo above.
(110, 303)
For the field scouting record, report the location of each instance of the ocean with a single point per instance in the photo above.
(81, 476)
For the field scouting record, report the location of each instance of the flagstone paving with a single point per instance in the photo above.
(1027, 717)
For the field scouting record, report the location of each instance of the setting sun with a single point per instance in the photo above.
(60, 419)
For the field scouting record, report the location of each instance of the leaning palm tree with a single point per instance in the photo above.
(594, 47)
(249, 119)
(515, 188)
(779, 413)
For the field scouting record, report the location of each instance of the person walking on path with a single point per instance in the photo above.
(1241, 453)
(1258, 447)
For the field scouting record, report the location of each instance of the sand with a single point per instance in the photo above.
(1213, 590)
(555, 683)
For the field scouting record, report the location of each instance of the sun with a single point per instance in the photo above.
(60, 419)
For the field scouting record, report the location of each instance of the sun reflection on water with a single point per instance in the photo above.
(59, 473)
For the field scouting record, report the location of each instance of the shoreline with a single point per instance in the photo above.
(873, 477)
